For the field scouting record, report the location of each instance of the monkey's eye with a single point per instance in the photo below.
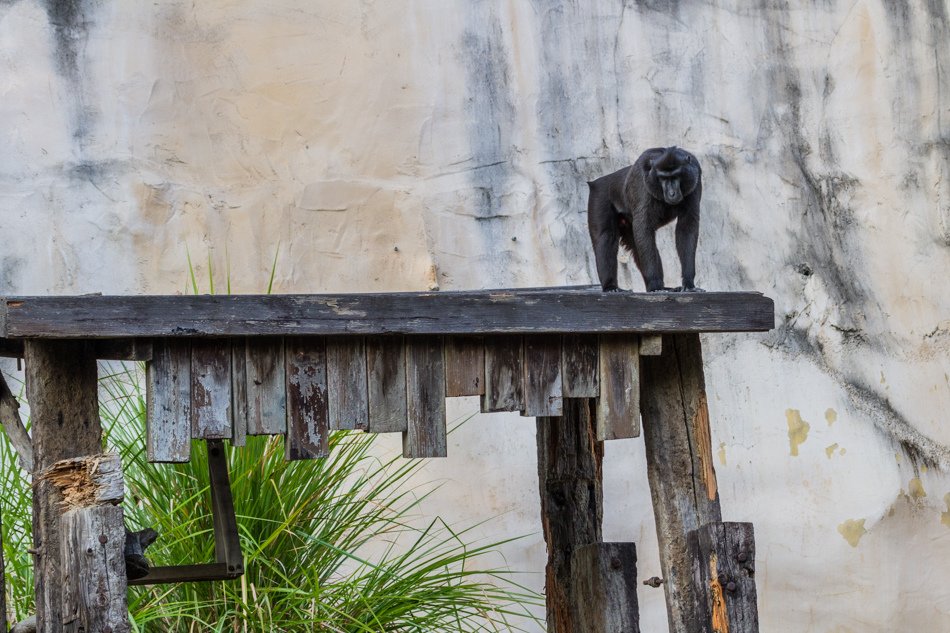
(689, 159)
(647, 166)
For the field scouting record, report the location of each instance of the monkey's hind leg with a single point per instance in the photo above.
(605, 236)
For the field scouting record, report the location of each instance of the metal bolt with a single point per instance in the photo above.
(615, 563)
(654, 582)
(731, 587)
(743, 557)
(103, 539)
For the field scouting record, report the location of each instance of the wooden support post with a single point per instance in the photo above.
(606, 588)
(571, 484)
(723, 569)
(679, 463)
(61, 386)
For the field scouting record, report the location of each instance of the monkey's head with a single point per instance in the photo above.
(672, 175)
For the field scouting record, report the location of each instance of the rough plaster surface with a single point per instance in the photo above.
(398, 145)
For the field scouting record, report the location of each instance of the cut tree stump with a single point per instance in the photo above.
(723, 567)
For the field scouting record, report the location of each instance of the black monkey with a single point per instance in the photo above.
(628, 206)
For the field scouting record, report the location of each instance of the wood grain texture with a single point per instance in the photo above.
(570, 474)
(425, 387)
(308, 430)
(94, 581)
(464, 366)
(13, 426)
(723, 574)
(266, 386)
(211, 389)
(62, 390)
(579, 366)
(606, 588)
(239, 392)
(168, 402)
(542, 375)
(673, 403)
(618, 407)
(478, 312)
(386, 384)
(347, 387)
(651, 345)
(504, 374)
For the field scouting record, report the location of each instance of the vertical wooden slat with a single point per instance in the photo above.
(606, 588)
(504, 374)
(266, 404)
(579, 369)
(542, 375)
(308, 428)
(425, 386)
(651, 345)
(168, 402)
(723, 568)
(618, 407)
(346, 383)
(211, 389)
(386, 378)
(464, 366)
(679, 464)
(238, 392)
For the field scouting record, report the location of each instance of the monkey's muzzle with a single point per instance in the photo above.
(671, 191)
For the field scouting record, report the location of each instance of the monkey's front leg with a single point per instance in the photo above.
(648, 258)
(687, 237)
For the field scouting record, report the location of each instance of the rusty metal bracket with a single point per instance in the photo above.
(229, 560)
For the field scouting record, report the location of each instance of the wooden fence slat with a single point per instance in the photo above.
(238, 392)
(425, 386)
(651, 345)
(211, 389)
(168, 402)
(606, 588)
(542, 375)
(579, 368)
(618, 407)
(266, 390)
(386, 377)
(504, 374)
(464, 366)
(308, 430)
(723, 566)
(346, 383)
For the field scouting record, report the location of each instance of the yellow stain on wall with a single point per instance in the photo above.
(832, 416)
(852, 531)
(830, 450)
(797, 430)
(916, 488)
(722, 453)
(945, 517)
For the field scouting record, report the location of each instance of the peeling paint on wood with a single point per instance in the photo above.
(211, 389)
(168, 402)
(308, 429)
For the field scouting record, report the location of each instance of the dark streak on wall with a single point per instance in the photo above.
(71, 20)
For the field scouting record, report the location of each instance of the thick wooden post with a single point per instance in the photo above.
(61, 386)
(606, 588)
(571, 482)
(679, 463)
(723, 569)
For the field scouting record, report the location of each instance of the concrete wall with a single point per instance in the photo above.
(395, 145)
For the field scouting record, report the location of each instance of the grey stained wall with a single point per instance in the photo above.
(397, 145)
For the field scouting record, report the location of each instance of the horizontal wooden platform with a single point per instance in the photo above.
(529, 311)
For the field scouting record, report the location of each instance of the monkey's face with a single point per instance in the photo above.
(673, 176)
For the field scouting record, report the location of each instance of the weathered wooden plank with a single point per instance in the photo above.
(14, 427)
(464, 366)
(62, 389)
(168, 402)
(651, 345)
(239, 392)
(542, 375)
(386, 377)
(104, 349)
(723, 573)
(606, 588)
(308, 430)
(346, 383)
(266, 390)
(618, 407)
(211, 389)
(679, 463)
(94, 581)
(504, 374)
(483, 312)
(570, 473)
(425, 386)
(579, 368)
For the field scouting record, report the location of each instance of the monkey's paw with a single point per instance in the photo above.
(614, 289)
(690, 289)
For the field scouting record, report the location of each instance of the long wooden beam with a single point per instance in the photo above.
(434, 313)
